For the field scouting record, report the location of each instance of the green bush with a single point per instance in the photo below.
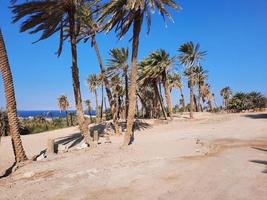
(4, 128)
(247, 101)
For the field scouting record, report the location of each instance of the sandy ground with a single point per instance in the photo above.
(214, 156)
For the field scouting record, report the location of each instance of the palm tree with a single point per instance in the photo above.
(208, 96)
(155, 67)
(88, 30)
(226, 93)
(93, 82)
(200, 76)
(121, 15)
(148, 75)
(117, 92)
(119, 62)
(89, 109)
(190, 55)
(50, 17)
(175, 81)
(13, 120)
(64, 106)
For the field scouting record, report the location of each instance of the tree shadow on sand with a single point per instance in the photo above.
(74, 139)
(8, 171)
(257, 116)
(262, 162)
(139, 125)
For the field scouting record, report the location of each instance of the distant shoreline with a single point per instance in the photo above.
(47, 113)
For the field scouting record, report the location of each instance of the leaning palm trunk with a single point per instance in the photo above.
(108, 91)
(160, 100)
(191, 86)
(13, 120)
(167, 94)
(76, 84)
(132, 93)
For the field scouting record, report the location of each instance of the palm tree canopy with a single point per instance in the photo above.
(175, 80)
(93, 81)
(200, 75)
(63, 102)
(226, 92)
(190, 54)
(88, 104)
(118, 58)
(122, 13)
(88, 19)
(154, 65)
(47, 17)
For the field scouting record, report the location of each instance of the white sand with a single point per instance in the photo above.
(208, 158)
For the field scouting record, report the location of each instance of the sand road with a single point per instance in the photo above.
(213, 157)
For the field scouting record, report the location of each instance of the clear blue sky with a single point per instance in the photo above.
(233, 32)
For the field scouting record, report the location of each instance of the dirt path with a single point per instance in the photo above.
(212, 157)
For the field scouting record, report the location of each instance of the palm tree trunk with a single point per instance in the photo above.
(106, 110)
(195, 103)
(199, 99)
(76, 83)
(13, 120)
(97, 107)
(160, 99)
(183, 100)
(67, 118)
(90, 114)
(137, 108)
(167, 94)
(132, 93)
(108, 91)
(126, 93)
(191, 95)
(102, 102)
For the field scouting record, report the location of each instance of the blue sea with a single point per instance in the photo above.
(46, 113)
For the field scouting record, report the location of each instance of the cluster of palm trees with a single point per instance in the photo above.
(156, 71)
(241, 101)
(77, 20)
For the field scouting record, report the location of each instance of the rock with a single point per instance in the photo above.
(28, 174)
(82, 146)
(62, 148)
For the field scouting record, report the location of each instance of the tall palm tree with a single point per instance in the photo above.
(200, 76)
(88, 108)
(148, 75)
(190, 55)
(50, 17)
(226, 93)
(156, 67)
(121, 15)
(13, 120)
(88, 30)
(93, 83)
(118, 61)
(63, 104)
(175, 81)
